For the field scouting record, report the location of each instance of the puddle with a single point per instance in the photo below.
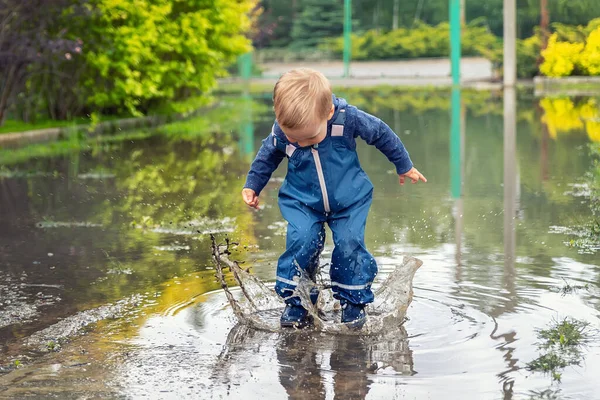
(116, 225)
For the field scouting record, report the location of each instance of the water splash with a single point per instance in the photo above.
(260, 306)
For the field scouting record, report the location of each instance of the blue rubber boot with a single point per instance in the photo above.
(353, 315)
(295, 316)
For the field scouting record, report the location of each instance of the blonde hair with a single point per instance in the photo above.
(301, 97)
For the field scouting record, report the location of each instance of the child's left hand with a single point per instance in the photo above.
(414, 175)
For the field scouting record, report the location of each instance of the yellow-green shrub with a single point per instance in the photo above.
(560, 58)
(590, 57)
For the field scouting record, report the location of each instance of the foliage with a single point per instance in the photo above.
(274, 23)
(560, 58)
(573, 51)
(32, 42)
(528, 53)
(564, 334)
(421, 41)
(151, 51)
(590, 57)
(66, 58)
(317, 20)
(575, 33)
(381, 16)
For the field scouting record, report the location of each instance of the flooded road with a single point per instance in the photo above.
(107, 286)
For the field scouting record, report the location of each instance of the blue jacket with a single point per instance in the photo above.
(328, 177)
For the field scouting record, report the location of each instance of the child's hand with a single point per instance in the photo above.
(250, 197)
(413, 175)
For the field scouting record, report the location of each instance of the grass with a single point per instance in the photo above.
(170, 108)
(567, 333)
(549, 363)
(561, 346)
(12, 126)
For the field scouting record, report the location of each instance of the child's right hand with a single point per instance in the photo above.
(414, 175)
(250, 197)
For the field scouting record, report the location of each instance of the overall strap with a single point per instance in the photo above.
(282, 146)
(337, 129)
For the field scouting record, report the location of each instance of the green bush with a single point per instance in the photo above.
(528, 53)
(421, 41)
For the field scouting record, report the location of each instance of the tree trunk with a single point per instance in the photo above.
(544, 22)
(463, 12)
(376, 16)
(395, 15)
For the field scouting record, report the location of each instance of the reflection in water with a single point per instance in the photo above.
(315, 366)
(457, 149)
(564, 115)
(510, 181)
(246, 141)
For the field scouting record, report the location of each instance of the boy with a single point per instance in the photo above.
(325, 183)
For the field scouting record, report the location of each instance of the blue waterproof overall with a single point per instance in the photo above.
(326, 184)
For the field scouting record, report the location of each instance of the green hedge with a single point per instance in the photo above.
(421, 41)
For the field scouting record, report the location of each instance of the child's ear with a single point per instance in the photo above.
(331, 112)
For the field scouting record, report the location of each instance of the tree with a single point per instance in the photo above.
(317, 20)
(274, 23)
(147, 52)
(67, 57)
(31, 42)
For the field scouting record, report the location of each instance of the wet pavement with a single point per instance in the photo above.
(107, 286)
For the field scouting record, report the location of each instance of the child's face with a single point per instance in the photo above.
(305, 134)
(310, 134)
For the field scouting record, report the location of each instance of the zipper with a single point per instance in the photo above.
(321, 176)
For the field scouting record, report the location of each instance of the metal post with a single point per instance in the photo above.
(455, 45)
(347, 36)
(510, 43)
